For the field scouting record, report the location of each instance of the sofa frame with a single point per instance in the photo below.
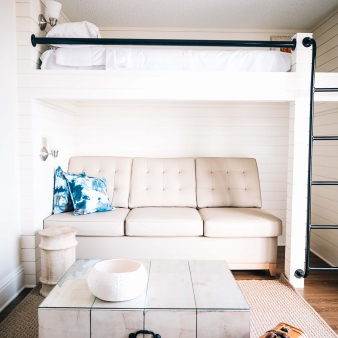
(219, 184)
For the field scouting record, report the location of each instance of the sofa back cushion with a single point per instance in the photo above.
(163, 182)
(116, 170)
(227, 182)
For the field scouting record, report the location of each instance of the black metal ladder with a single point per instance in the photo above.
(307, 42)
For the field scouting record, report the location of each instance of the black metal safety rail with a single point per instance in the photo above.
(300, 273)
(163, 42)
(307, 42)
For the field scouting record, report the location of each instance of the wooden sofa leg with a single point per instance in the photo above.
(272, 269)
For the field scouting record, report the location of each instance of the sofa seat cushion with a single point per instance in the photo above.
(164, 222)
(108, 223)
(240, 222)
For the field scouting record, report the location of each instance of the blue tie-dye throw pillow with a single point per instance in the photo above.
(89, 194)
(62, 199)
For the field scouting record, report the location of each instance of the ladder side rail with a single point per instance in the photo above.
(299, 273)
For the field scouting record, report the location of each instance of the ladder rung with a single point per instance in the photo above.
(324, 182)
(318, 227)
(325, 138)
(325, 90)
(333, 268)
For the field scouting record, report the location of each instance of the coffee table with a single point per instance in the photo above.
(183, 299)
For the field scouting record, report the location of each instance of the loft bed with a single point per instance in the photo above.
(306, 42)
(134, 57)
(150, 59)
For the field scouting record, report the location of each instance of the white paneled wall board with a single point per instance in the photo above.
(11, 271)
(325, 168)
(198, 34)
(57, 122)
(27, 12)
(192, 129)
(182, 86)
(40, 121)
(326, 36)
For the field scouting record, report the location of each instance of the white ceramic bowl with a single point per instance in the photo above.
(117, 280)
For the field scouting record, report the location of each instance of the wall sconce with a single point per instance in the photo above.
(44, 152)
(53, 10)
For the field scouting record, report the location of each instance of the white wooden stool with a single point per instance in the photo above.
(58, 253)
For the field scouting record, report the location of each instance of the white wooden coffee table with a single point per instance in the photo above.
(183, 299)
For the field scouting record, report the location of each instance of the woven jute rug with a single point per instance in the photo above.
(275, 301)
(271, 302)
(23, 320)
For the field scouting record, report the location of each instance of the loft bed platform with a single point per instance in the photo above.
(178, 85)
(182, 86)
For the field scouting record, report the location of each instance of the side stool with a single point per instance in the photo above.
(58, 253)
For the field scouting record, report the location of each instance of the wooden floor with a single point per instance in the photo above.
(8, 309)
(321, 287)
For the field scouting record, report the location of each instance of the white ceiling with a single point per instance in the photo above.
(245, 14)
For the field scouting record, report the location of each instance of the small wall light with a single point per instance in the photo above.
(44, 152)
(53, 10)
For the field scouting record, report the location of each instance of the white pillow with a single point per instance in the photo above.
(82, 29)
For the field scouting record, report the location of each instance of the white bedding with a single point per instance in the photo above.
(49, 60)
(150, 59)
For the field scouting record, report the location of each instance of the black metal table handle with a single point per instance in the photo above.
(134, 335)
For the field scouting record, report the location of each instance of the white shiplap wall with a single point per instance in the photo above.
(27, 12)
(39, 121)
(50, 121)
(11, 271)
(193, 33)
(178, 129)
(325, 168)
(31, 126)
(326, 36)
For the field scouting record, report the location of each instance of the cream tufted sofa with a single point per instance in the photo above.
(178, 208)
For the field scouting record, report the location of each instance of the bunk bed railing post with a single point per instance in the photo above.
(298, 163)
(299, 273)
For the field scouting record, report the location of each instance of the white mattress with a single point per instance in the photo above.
(150, 59)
